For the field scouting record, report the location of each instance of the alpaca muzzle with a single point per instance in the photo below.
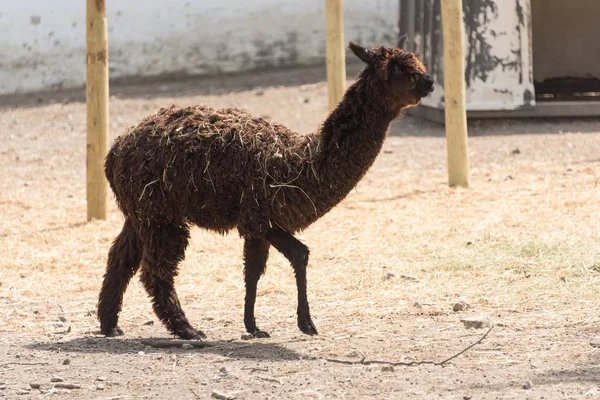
(425, 86)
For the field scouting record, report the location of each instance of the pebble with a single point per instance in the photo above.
(100, 386)
(476, 322)
(595, 342)
(460, 306)
(387, 368)
(221, 396)
(101, 378)
(66, 361)
(353, 353)
(56, 379)
(35, 385)
(259, 92)
(2, 386)
(388, 276)
(527, 385)
(141, 353)
(24, 391)
(187, 346)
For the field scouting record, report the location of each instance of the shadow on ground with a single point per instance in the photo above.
(252, 349)
(185, 86)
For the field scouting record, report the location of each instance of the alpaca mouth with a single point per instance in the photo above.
(425, 86)
(424, 92)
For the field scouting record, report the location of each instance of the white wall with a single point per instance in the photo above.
(42, 42)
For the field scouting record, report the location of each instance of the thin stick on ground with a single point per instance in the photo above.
(165, 343)
(23, 363)
(363, 361)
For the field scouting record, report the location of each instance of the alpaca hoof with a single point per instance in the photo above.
(307, 327)
(260, 334)
(191, 334)
(113, 332)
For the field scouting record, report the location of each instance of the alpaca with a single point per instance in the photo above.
(221, 169)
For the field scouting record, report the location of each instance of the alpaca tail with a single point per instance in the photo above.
(109, 165)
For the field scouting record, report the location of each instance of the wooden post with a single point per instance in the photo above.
(97, 107)
(454, 93)
(336, 55)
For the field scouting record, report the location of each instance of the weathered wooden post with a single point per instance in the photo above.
(336, 56)
(454, 93)
(97, 107)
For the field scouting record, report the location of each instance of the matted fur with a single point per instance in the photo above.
(222, 169)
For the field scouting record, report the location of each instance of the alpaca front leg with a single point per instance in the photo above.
(297, 254)
(256, 252)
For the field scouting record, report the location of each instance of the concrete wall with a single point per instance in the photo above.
(42, 42)
(565, 38)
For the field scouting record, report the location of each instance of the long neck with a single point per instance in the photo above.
(350, 139)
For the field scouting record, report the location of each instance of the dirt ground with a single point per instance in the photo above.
(520, 247)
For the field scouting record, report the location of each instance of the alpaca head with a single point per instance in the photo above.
(397, 74)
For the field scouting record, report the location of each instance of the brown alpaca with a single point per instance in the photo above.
(222, 169)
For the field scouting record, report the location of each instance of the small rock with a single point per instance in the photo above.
(67, 386)
(141, 353)
(24, 391)
(595, 342)
(352, 354)
(516, 151)
(148, 323)
(62, 319)
(100, 386)
(187, 346)
(409, 278)
(527, 385)
(101, 378)
(2, 386)
(508, 178)
(387, 368)
(460, 306)
(247, 336)
(259, 92)
(476, 322)
(221, 396)
(56, 379)
(35, 385)
(306, 100)
(417, 305)
(388, 276)
(66, 361)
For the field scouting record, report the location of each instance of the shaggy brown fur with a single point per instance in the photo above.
(222, 169)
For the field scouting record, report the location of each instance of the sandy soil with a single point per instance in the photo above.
(521, 247)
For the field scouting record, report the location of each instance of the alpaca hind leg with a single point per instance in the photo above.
(297, 254)
(123, 262)
(256, 252)
(163, 251)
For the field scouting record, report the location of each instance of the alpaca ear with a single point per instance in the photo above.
(362, 53)
(402, 42)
